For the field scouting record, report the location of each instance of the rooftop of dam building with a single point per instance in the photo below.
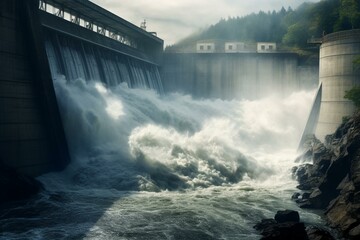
(227, 46)
(93, 17)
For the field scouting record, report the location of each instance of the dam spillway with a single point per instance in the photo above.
(244, 75)
(41, 40)
(74, 59)
(31, 133)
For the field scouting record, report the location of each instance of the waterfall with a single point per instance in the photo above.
(77, 59)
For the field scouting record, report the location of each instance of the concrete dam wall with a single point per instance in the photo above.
(337, 75)
(31, 132)
(77, 59)
(236, 75)
(38, 46)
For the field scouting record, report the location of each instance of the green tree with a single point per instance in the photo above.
(324, 16)
(349, 15)
(354, 95)
(291, 27)
(357, 64)
(296, 35)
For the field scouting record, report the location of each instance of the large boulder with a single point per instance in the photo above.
(287, 225)
(287, 216)
(272, 230)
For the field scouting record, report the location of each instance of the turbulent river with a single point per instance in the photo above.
(146, 166)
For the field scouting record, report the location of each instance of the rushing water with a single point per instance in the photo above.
(164, 167)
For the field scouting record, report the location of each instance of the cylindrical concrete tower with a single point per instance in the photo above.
(337, 75)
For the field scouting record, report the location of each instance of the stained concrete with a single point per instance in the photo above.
(337, 75)
(236, 75)
(31, 134)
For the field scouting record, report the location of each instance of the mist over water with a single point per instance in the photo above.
(146, 166)
(132, 139)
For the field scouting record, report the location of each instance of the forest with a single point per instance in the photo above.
(288, 27)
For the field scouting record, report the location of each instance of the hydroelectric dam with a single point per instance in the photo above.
(130, 142)
(41, 40)
(47, 40)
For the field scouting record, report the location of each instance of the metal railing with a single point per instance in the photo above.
(314, 40)
(87, 23)
(355, 33)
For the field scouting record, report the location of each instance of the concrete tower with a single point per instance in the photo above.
(337, 75)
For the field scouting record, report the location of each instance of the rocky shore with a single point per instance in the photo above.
(329, 177)
(286, 225)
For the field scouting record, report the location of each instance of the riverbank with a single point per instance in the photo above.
(329, 177)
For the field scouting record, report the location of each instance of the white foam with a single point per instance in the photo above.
(132, 139)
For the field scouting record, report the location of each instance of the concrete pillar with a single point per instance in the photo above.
(337, 75)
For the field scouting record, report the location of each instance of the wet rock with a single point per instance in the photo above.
(287, 216)
(309, 184)
(346, 185)
(289, 227)
(316, 199)
(303, 201)
(356, 196)
(306, 195)
(296, 196)
(336, 172)
(339, 214)
(313, 148)
(284, 231)
(355, 170)
(15, 186)
(286, 226)
(316, 233)
(305, 175)
(322, 164)
(305, 204)
(354, 233)
(333, 177)
(265, 223)
(302, 172)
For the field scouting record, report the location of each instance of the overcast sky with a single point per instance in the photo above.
(176, 19)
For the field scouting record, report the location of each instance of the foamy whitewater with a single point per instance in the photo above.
(146, 166)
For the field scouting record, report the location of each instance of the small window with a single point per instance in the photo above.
(209, 47)
(262, 47)
(201, 47)
(271, 47)
(230, 47)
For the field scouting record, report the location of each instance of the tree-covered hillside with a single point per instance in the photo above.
(290, 27)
